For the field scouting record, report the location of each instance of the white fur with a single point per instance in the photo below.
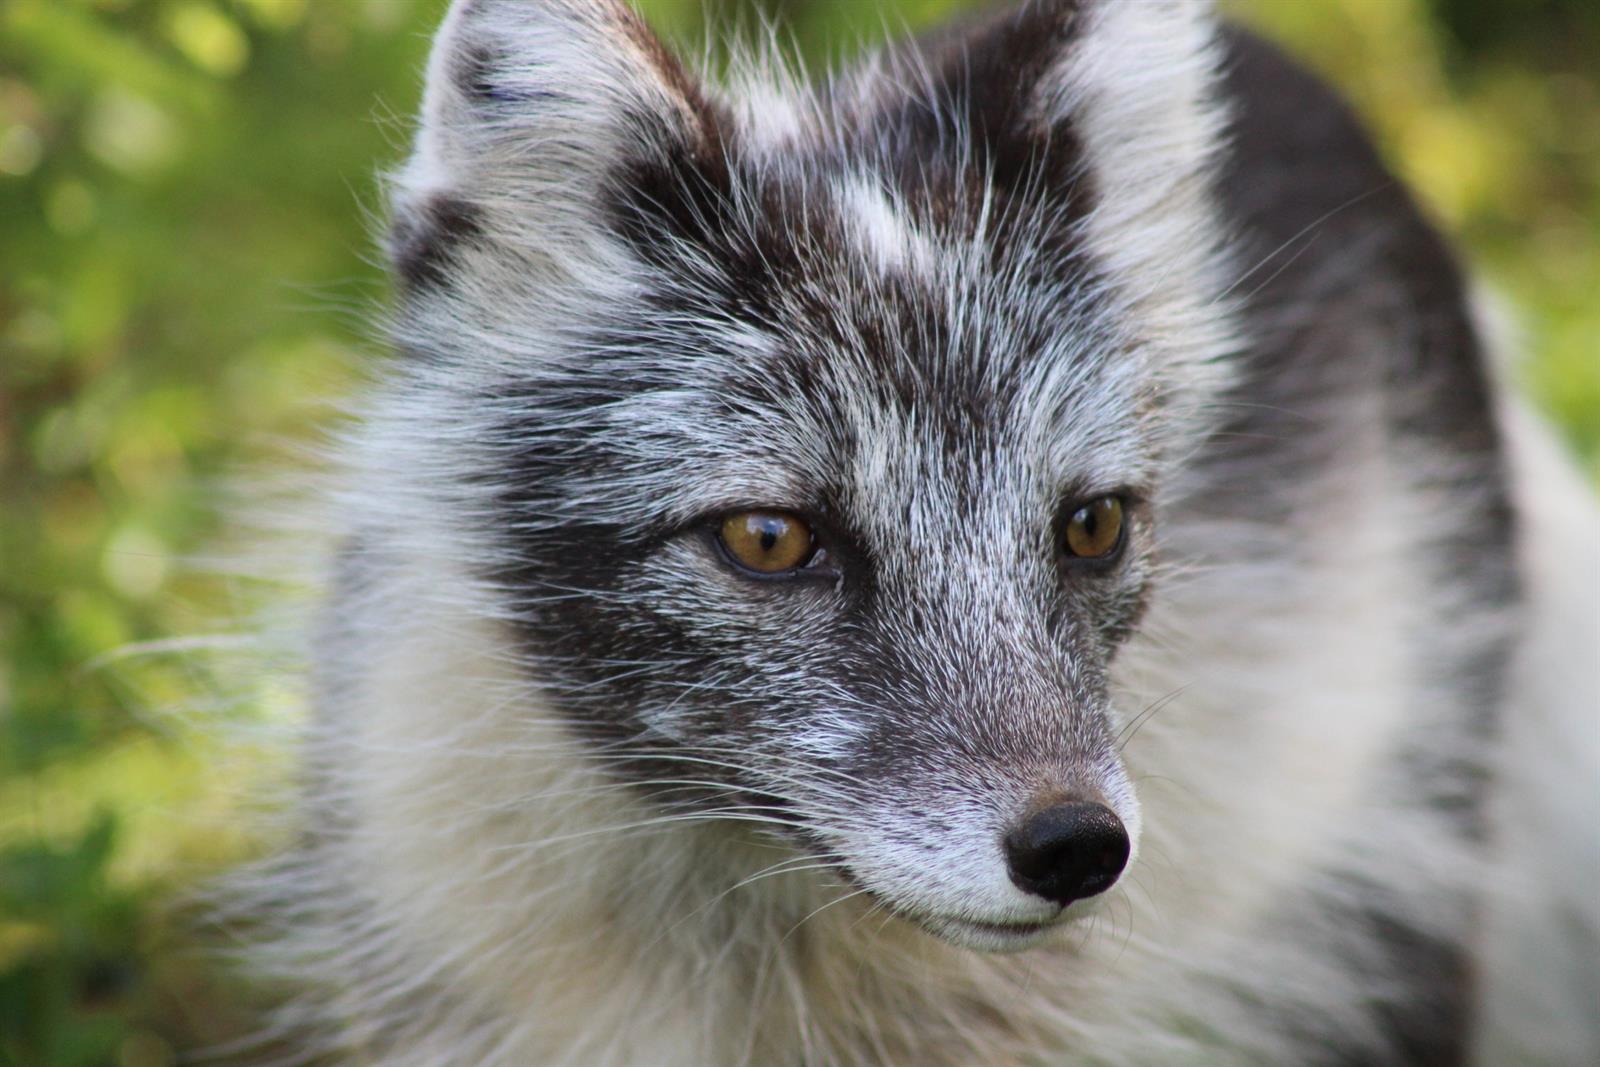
(1542, 973)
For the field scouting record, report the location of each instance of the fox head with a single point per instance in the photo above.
(813, 439)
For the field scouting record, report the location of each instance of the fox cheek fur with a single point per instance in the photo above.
(1015, 334)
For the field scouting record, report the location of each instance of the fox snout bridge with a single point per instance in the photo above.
(1067, 852)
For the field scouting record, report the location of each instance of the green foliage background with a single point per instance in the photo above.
(186, 201)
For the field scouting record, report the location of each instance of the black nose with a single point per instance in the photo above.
(1068, 852)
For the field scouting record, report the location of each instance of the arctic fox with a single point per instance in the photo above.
(1011, 554)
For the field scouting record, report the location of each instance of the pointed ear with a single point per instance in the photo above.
(1109, 113)
(531, 107)
(1126, 94)
(1141, 89)
(1137, 82)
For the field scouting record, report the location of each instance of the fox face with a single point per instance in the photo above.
(815, 446)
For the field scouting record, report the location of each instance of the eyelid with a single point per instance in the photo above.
(1131, 496)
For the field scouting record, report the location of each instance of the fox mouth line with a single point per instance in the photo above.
(981, 934)
(989, 936)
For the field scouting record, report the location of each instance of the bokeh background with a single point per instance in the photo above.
(187, 204)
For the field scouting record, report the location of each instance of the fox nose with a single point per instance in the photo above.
(1067, 852)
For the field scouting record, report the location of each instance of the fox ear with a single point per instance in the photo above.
(1138, 85)
(1122, 98)
(1141, 90)
(531, 106)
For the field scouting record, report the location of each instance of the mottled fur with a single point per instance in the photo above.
(579, 792)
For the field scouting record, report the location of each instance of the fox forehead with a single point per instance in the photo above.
(838, 340)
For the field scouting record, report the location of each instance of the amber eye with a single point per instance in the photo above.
(767, 542)
(1095, 530)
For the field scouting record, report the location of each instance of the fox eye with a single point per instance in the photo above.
(767, 542)
(1094, 531)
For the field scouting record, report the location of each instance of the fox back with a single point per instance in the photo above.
(1005, 555)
